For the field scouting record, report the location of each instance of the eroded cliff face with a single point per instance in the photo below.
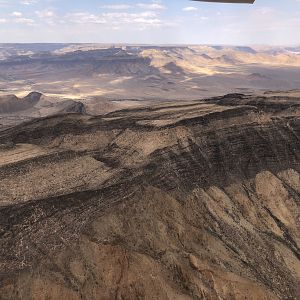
(193, 201)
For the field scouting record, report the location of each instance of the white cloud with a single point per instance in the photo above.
(25, 21)
(116, 6)
(18, 18)
(28, 2)
(47, 16)
(142, 20)
(45, 13)
(2, 20)
(17, 14)
(151, 6)
(190, 8)
(83, 17)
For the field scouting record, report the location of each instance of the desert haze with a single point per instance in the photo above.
(145, 72)
(149, 172)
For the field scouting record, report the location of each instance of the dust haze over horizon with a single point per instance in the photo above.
(150, 22)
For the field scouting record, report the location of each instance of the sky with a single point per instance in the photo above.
(273, 22)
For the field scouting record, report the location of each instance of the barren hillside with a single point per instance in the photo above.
(195, 200)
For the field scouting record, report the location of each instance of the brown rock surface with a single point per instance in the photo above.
(14, 110)
(198, 200)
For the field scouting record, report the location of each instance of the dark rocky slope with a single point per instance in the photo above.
(193, 201)
(12, 104)
(14, 110)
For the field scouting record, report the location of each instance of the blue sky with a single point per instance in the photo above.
(275, 22)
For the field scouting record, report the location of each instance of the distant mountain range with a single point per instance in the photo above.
(145, 71)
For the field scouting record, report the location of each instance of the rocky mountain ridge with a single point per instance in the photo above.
(194, 200)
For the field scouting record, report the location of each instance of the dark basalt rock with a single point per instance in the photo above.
(197, 200)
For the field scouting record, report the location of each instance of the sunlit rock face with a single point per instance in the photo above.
(194, 200)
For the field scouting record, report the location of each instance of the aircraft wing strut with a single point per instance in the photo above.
(228, 1)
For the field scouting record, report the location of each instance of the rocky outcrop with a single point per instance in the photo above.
(12, 104)
(14, 110)
(196, 200)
